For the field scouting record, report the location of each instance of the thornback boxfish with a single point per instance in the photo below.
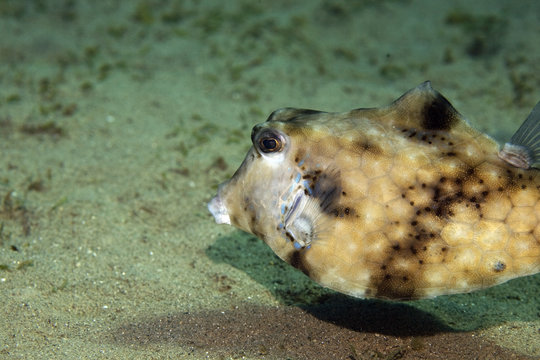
(406, 201)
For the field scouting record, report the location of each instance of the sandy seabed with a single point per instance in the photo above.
(119, 118)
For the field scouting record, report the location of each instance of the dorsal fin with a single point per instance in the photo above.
(425, 108)
(291, 114)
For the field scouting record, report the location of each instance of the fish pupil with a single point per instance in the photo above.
(269, 144)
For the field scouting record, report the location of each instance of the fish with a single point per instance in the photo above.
(401, 202)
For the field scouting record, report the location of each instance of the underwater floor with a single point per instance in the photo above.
(119, 118)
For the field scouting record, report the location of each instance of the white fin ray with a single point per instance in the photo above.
(523, 150)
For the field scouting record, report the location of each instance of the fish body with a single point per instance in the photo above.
(406, 201)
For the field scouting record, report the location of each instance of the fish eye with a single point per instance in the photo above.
(269, 142)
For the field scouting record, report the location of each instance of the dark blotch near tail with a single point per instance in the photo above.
(439, 114)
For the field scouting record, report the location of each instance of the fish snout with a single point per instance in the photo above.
(219, 211)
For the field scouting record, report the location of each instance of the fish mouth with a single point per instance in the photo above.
(219, 211)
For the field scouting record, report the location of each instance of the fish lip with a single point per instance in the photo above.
(219, 211)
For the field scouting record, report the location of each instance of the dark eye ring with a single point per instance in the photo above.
(270, 143)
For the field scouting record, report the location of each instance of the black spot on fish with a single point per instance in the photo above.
(363, 145)
(299, 155)
(499, 266)
(342, 211)
(438, 114)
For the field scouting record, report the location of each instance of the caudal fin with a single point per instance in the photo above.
(523, 150)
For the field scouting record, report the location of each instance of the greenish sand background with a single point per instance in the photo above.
(119, 118)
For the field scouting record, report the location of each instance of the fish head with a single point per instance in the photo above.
(268, 195)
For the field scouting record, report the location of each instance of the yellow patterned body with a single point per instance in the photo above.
(401, 202)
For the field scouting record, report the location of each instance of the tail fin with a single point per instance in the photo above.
(523, 150)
